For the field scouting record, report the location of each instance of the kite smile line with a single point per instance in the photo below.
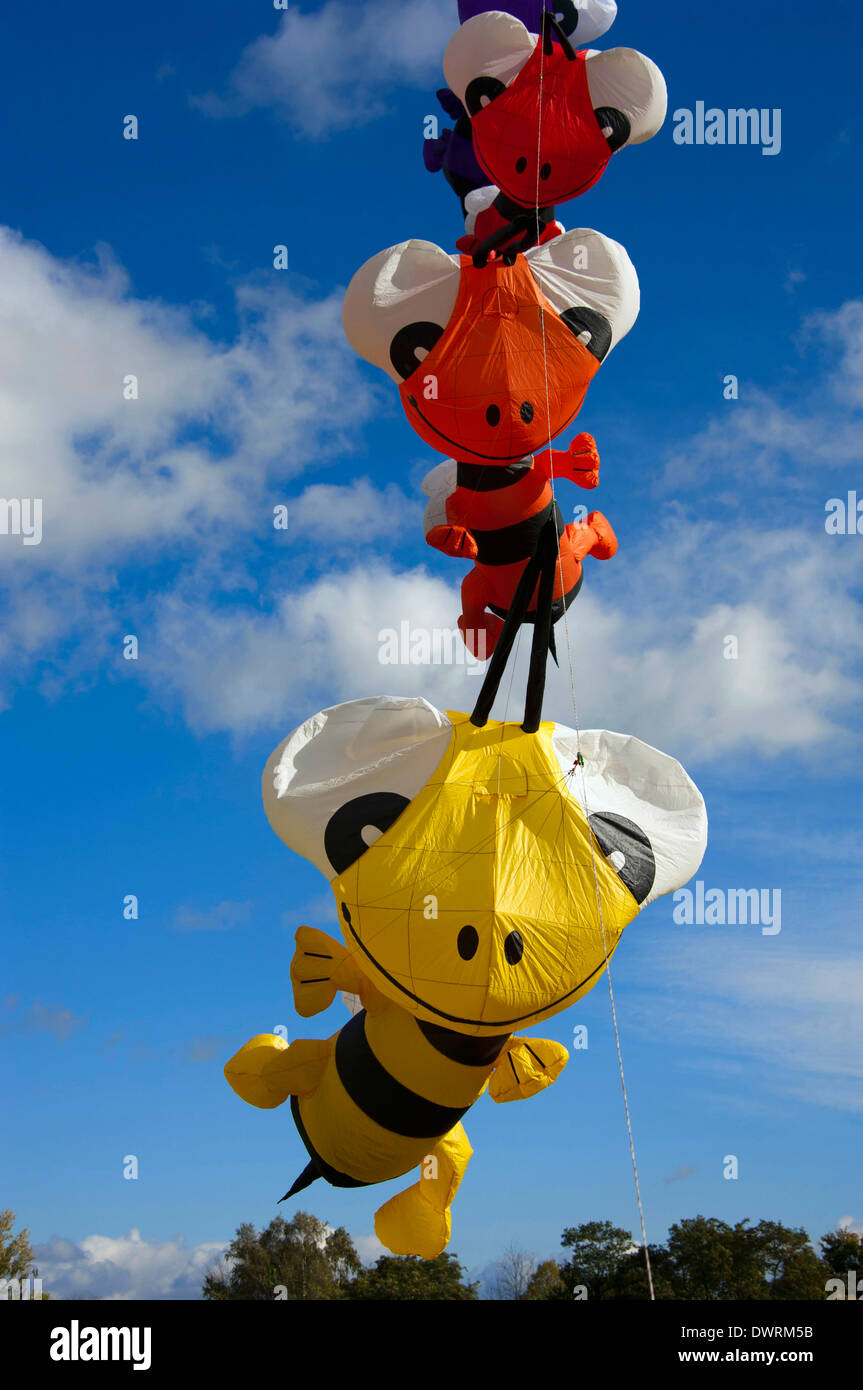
(458, 445)
(492, 1024)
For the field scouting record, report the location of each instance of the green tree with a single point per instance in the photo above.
(299, 1259)
(630, 1279)
(16, 1253)
(706, 1258)
(712, 1260)
(803, 1277)
(703, 1258)
(545, 1282)
(408, 1278)
(842, 1251)
(791, 1267)
(599, 1250)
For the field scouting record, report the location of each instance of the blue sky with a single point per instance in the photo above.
(154, 257)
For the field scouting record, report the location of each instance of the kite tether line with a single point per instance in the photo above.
(542, 568)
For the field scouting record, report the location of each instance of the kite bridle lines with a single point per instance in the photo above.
(549, 22)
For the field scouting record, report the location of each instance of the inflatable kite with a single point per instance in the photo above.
(592, 104)
(492, 220)
(482, 879)
(471, 524)
(482, 872)
(492, 362)
(451, 152)
(503, 64)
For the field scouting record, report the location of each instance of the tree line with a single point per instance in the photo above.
(702, 1258)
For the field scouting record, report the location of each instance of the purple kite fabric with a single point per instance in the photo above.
(453, 151)
(581, 20)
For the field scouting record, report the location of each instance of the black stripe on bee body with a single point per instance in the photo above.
(381, 1098)
(459, 1047)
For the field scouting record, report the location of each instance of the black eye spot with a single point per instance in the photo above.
(526, 412)
(545, 171)
(566, 14)
(411, 344)
(591, 328)
(343, 837)
(630, 852)
(481, 91)
(513, 948)
(493, 415)
(614, 125)
(468, 942)
(520, 165)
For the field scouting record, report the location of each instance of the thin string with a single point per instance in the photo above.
(580, 764)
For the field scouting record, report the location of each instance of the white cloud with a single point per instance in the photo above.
(356, 513)
(333, 68)
(315, 912)
(791, 1012)
(180, 476)
(53, 1019)
(654, 621)
(843, 331)
(223, 916)
(369, 1248)
(125, 1267)
(243, 641)
(239, 671)
(847, 1223)
(656, 665)
(200, 1050)
(211, 423)
(760, 439)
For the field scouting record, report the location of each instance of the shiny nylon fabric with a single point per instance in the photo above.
(491, 355)
(496, 841)
(585, 20)
(352, 1141)
(571, 144)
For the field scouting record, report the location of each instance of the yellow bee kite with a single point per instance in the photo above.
(482, 878)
